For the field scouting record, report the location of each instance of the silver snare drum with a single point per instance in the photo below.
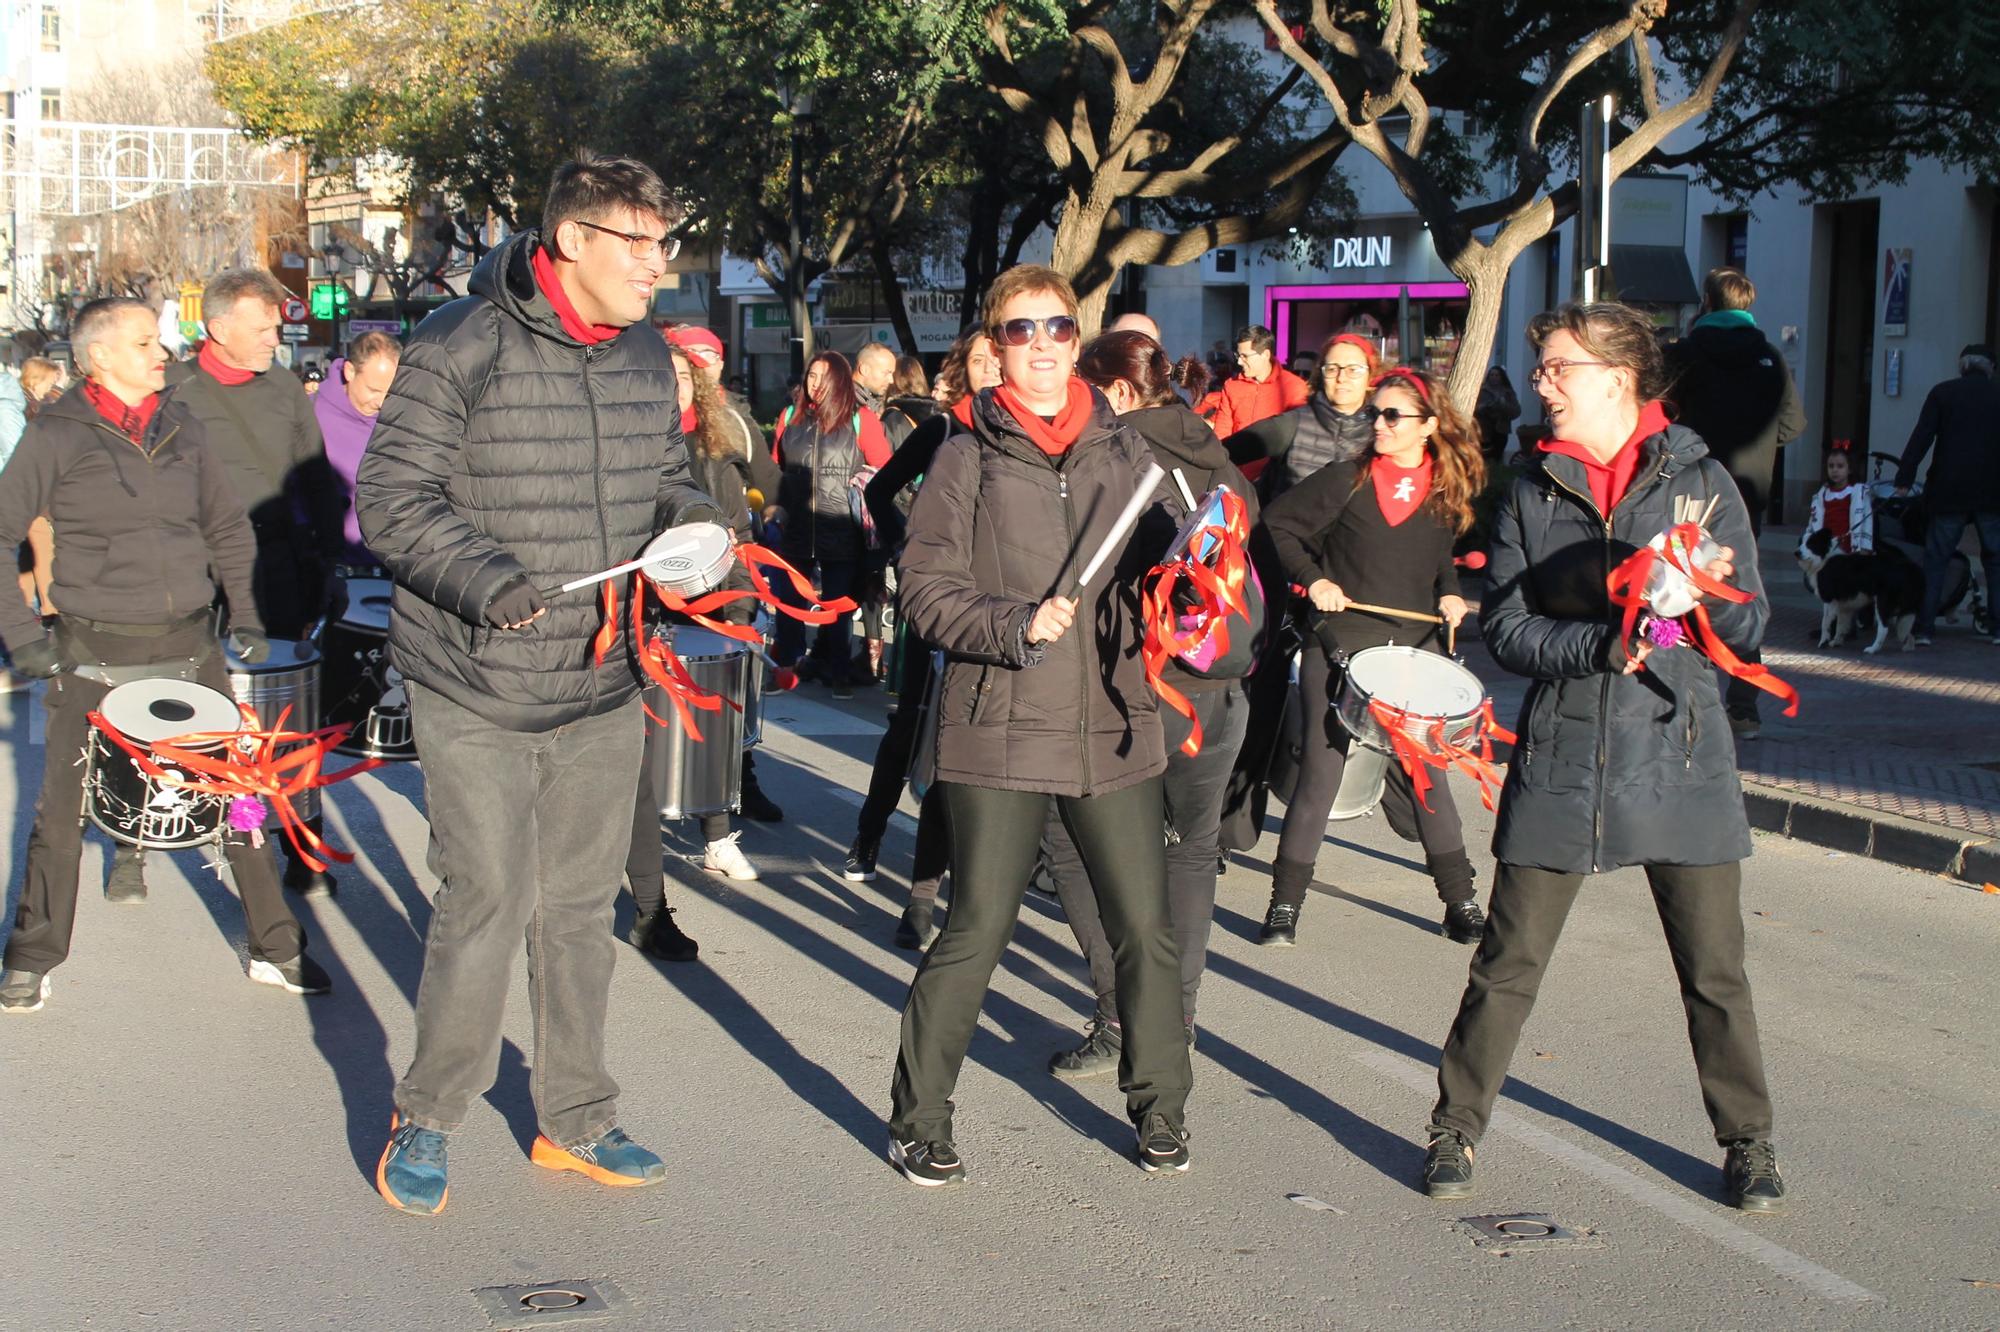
(695, 777)
(753, 700)
(144, 811)
(1430, 691)
(289, 677)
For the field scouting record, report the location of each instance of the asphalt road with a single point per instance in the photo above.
(189, 1150)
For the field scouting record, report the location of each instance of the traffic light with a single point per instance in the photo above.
(330, 300)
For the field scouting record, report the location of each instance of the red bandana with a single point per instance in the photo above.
(961, 411)
(1051, 437)
(1610, 480)
(130, 422)
(1400, 491)
(545, 278)
(690, 422)
(224, 374)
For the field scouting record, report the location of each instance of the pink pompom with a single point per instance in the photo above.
(247, 814)
(1662, 632)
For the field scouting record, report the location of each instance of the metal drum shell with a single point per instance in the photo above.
(354, 665)
(696, 777)
(289, 677)
(1462, 726)
(122, 800)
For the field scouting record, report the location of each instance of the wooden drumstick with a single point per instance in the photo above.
(1397, 614)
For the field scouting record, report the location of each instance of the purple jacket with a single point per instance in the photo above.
(346, 432)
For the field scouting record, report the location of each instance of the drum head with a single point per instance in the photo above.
(695, 644)
(690, 559)
(1412, 680)
(287, 654)
(368, 604)
(150, 710)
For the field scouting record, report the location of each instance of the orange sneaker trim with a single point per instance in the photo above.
(382, 1181)
(551, 1157)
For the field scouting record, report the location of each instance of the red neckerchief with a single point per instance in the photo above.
(551, 286)
(690, 422)
(1400, 491)
(130, 422)
(222, 373)
(1051, 437)
(1610, 480)
(961, 411)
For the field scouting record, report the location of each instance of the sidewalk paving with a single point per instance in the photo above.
(1895, 756)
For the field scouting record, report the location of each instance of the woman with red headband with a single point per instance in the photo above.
(1376, 530)
(1333, 426)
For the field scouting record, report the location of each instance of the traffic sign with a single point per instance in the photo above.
(295, 310)
(393, 327)
(295, 333)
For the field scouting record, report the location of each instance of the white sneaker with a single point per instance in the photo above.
(726, 857)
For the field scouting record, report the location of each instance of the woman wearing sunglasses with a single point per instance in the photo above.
(1044, 699)
(1379, 531)
(1626, 756)
(1333, 426)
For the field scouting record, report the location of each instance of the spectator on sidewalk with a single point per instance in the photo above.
(1961, 417)
(1841, 506)
(1729, 385)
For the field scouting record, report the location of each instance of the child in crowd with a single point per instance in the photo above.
(1841, 506)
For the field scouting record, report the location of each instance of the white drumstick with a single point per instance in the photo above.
(625, 568)
(1126, 518)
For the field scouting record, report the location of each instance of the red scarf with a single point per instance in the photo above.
(690, 422)
(551, 286)
(130, 422)
(961, 411)
(226, 375)
(1400, 491)
(1051, 437)
(1610, 480)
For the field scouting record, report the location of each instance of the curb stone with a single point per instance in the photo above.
(1863, 832)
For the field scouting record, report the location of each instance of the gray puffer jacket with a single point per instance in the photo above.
(998, 527)
(508, 447)
(1614, 769)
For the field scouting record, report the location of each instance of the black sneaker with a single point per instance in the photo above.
(126, 883)
(861, 860)
(308, 882)
(1098, 1055)
(759, 807)
(927, 1163)
(1163, 1147)
(301, 975)
(1464, 922)
(842, 690)
(1281, 926)
(1448, 1165)
(916, 929)
(23, 991)
(1750, 1171)
(656, 934)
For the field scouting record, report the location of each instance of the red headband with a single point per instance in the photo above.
(1842, 446)
(1361, 344)
(1405, 375)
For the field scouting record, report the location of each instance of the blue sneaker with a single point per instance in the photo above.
(613, 1159)
(410, 1177)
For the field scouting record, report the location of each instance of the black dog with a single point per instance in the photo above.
(1888, 581)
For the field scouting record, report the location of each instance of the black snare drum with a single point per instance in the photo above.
(359, 686)
(144, 811)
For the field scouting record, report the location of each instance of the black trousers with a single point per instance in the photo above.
(1701, 911)
(833, 645)
(892, 768)
(1193, 789)
(46, 916)
(994, 835)
(642, 859)
(1322, 763)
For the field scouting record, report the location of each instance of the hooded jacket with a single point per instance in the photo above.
(346, 433)
(1241, 402)
(1731, 387)
(998, 527)
(1614, 769)
(137, 530)
(507, 448)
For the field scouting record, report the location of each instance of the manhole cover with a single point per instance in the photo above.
(543, 1303)
(1523, 1232)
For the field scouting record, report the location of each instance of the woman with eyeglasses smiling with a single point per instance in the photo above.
(1625, 755)
(1378, 530)
(1333, 426)
(1044, 699)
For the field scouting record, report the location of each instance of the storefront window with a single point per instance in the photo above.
(1418, 324)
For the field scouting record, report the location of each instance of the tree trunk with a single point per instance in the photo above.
(1079, 255)
(800, 310)
(1486, 280)
(892, 293)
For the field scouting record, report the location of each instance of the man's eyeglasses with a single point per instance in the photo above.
(1332, 371)
(642, 245)
(1021, 332)
(1553, 371)
(1395, 416)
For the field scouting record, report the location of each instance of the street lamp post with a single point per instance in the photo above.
(799, 103)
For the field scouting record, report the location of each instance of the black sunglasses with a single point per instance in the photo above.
(1021, 332)
(1395, 416)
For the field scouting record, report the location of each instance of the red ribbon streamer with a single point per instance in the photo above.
(1217, 593)
(1627, 588)
(1419, 741)
(249, 765)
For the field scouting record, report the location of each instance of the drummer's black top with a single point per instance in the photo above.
(1330, 526)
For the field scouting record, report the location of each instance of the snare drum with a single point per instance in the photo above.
(1429, 690)
(144, 811)
(288, 678)
(361, 689)
(695, 777)
(690, 559)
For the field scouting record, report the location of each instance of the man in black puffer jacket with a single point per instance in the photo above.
(532, 436)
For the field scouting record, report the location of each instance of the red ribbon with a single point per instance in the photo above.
(1217, 593)
(249, 764)
(1419, 741)
(1627, 588)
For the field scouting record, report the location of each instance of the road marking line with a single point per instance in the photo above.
(1673, 1205)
